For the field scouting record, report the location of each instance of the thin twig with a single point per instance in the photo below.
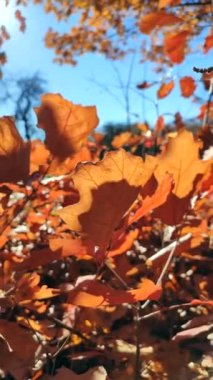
(169, 247)
(168, 261)
(165, 309)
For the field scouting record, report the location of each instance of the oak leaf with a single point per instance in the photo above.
(107, 189)
(181, 160)
(154, 200)
(165, 89)
(91, 293)
(38, 155)
(123, 243)
(66, 125)
(120, 140)
(157, 19)
(187, 86)
(28, 289)
(17, 349)
(14, 153)
(175, 44)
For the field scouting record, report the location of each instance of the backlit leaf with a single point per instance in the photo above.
(175, 44)
(107, 189)
(150, 202)
(165, 89)
(14, 153)
(94, 294)
(208, 42)
(181, 159)
(157, 19)
(66, 125)
(187, 86)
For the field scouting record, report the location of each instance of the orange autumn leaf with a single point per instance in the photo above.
(59, 248)
(59, 167)
(175, 45)
(157, 199)
(66, 125)
(14, 153)
(44, 328)
(199, 232)
(181, 160)
(120, 140)
(107, 189)
(157, 19)
(206, 109)
(71, 247)
(160, 124)
(208, 44)
(28, 289)
(18, 348)
(165, 89)
(187, 86)
(91, 293)
(38, 155)
(123, 243)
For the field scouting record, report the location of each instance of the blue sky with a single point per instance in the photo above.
(94, 80)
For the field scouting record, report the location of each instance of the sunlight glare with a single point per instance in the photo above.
(7, 15)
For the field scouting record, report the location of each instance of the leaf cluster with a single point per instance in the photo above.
(105, 255)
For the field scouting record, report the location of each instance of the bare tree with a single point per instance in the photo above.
(24, 93)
